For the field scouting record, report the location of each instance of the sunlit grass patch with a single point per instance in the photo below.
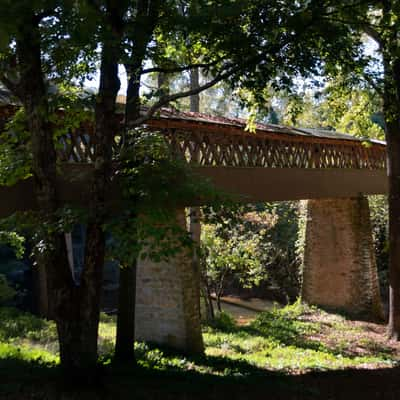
(293, 339)
(26, 353)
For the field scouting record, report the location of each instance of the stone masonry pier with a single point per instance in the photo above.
(339, 269)
(167, 301)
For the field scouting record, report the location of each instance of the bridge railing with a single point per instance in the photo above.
(233, 148)
(253, 150)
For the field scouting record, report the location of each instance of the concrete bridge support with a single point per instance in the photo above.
(339, 270)
(168, 301)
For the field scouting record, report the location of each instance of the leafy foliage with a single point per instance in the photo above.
(280, 252)
(236, 257)
(15, 160)
(14, 240)
(154, 184)
(253, 244)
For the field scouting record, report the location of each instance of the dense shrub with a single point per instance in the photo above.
(280, 252)
(253, 245)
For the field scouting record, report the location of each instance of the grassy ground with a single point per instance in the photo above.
(287, 342)
(293, 339)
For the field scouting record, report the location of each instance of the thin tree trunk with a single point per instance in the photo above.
(124, 347)
(194, 212)
(125, 338)
(194, 84)
(195, 227)
(40, 290)
(219, 302)
(210, 314)
(163, 85)
(70, 252)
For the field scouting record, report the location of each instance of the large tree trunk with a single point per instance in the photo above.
(32, 92)
(393, 141)
(392, 124)
(106, 122)
(76, 309)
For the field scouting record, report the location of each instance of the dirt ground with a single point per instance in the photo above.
(245, 310)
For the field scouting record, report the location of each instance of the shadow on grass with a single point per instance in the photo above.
(22, 380)
(18, 378)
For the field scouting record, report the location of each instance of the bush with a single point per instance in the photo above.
(7, 293)
(15, 324)
(253, 245)
(224, 322)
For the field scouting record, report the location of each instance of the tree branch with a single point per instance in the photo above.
(373, 84)
(10, 85)
(179, 69)
(373, 34)
(166, 99)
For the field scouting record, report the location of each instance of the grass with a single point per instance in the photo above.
(293, 340)
(297, 339)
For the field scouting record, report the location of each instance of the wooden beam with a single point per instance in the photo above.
(276, 184)
(243, 184)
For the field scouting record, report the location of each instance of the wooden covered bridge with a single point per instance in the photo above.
(333, 171)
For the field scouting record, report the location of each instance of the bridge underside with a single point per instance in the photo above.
(247, 185)
(278, 184)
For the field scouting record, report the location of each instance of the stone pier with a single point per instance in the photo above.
(168, 301)
(339, 270)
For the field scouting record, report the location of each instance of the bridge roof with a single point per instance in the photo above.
(204, 120)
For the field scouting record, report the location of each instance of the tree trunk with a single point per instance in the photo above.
(163, 85)
(210, 314)
(125, 338)
(219, 302)
(393, 141)
(392, 129)
(195, 213)
(105, 120)
(124, 346)
(33, 95)
(194, 84)
(75, 309)
(40, 290)
(194, 226)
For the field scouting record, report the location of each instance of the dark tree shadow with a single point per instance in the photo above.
(20, 379)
